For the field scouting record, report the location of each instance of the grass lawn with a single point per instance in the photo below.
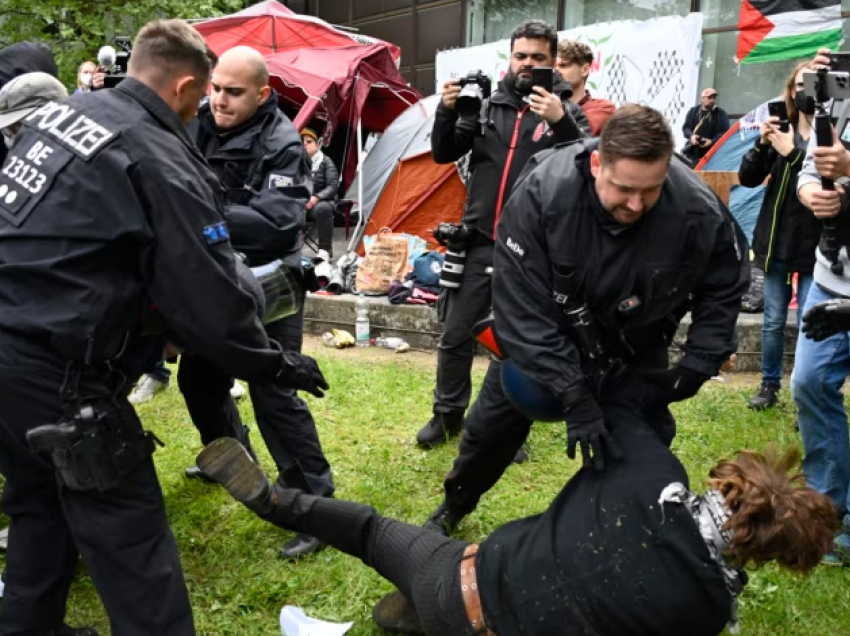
(368, 423)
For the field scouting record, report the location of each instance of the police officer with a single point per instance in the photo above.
(519, 120)
(106, 206)
(259, 156)
(621, 234)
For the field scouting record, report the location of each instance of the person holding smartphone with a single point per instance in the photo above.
(786, 233)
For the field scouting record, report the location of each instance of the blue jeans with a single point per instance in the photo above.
(777, 295)
(820, 369)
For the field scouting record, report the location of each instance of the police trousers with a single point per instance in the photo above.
(122, 534)
(494, 431)
(284, 419)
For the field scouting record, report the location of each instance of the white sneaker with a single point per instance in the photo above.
(237, 391)
(146, 389)
(4, 539)
(322, 255)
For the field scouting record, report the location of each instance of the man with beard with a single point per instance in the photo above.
(518, 121)
(258, 154)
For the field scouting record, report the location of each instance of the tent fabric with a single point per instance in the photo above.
(270, 27)
(403, 188)
(726, 156)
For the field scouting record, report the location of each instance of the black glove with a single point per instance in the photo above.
(672, 385)
(827, 319)
(586, 427)
(301, 372)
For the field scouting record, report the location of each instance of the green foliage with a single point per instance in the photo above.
(367, 423)
(76, 29)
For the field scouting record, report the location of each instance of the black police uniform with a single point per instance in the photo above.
(512, 134)
(687, 253)
(263, 166)
(105, 201)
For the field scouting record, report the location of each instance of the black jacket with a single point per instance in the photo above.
(786, 230)
(108, 203)
(24, 57)
(499, 156)
(687, 252)
(326, 180)
(604, 558)
(264, 168)
(714, 126)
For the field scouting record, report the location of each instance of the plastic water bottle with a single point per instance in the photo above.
(361, 324)
(390, 342)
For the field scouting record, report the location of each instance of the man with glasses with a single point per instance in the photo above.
(704, 125)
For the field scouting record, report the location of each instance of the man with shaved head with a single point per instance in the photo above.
(259, 157)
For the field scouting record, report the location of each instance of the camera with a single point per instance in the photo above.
(475, 88)
(454, 237)
(114, 63)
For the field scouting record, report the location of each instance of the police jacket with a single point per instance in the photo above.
(786, 230)
(326, 180)
(685, 252)
(512, 134)
(104, 203)
(263, 167)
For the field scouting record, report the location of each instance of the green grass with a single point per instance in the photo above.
(367, 423)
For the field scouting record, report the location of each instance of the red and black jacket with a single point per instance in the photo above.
(512, 135)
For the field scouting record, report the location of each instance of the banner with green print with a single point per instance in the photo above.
(653, 62)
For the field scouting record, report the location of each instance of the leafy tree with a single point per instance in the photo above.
(76, 29)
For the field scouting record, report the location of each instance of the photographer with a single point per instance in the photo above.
(516, 122)
(821, 367)
(704, 126)
(786, 232)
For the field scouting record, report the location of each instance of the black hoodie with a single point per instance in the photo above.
(24, 57)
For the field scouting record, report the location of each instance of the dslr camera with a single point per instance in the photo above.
(455, 238)
(475, 88)
(114, 63)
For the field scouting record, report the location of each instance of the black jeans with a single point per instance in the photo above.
(464, 307)
(322, 215)
(284, 419)
(494, 431)
(423, 565)
(122, 534)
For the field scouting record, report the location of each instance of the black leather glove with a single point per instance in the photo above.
(301, 372)
(586, 428)
(827, 319)
(672, 385)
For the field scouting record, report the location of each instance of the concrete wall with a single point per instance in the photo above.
(419, 326)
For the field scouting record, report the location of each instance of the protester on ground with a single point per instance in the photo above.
(602, 248)
(704, 125)
(786, 233)
(521, 120)
(118, 211)
(574, 62)
(627, 551)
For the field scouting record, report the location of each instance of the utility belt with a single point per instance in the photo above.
(96, 442)
(469, 590)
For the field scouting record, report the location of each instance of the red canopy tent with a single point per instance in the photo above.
(270, 27)
(355, 85)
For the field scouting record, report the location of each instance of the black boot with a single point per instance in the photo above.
(396, 615)
(443, 520)
(301, 545)
(521, 456)
(767, 397)
(440, 429)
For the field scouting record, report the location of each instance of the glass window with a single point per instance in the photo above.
(584, 12)
(493, 20)
(720, 13)
(739, 90)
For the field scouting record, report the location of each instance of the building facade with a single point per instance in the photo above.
(423, 27)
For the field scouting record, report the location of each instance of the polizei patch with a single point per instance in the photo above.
(79, 133)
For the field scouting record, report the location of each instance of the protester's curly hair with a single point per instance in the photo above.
(774, 515)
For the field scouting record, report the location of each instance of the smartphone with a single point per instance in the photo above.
(779, 109)
(840, 61)
(543, 76)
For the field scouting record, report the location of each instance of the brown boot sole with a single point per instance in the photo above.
(396, 615)
(227, 462)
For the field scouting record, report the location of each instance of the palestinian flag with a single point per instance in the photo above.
(774, 30)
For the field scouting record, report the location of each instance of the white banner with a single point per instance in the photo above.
(653, 62)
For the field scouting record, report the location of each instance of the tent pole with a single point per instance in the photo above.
(355, 238)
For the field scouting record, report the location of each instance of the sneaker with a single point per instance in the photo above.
(767, 397)
(4, 539)
(146, 390)
(840, 554)
(301, 545)
(237, 391)
(440, 429)
(443, 520)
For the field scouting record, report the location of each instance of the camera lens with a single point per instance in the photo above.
(469, 101)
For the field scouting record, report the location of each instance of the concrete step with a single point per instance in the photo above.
(418, 325)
